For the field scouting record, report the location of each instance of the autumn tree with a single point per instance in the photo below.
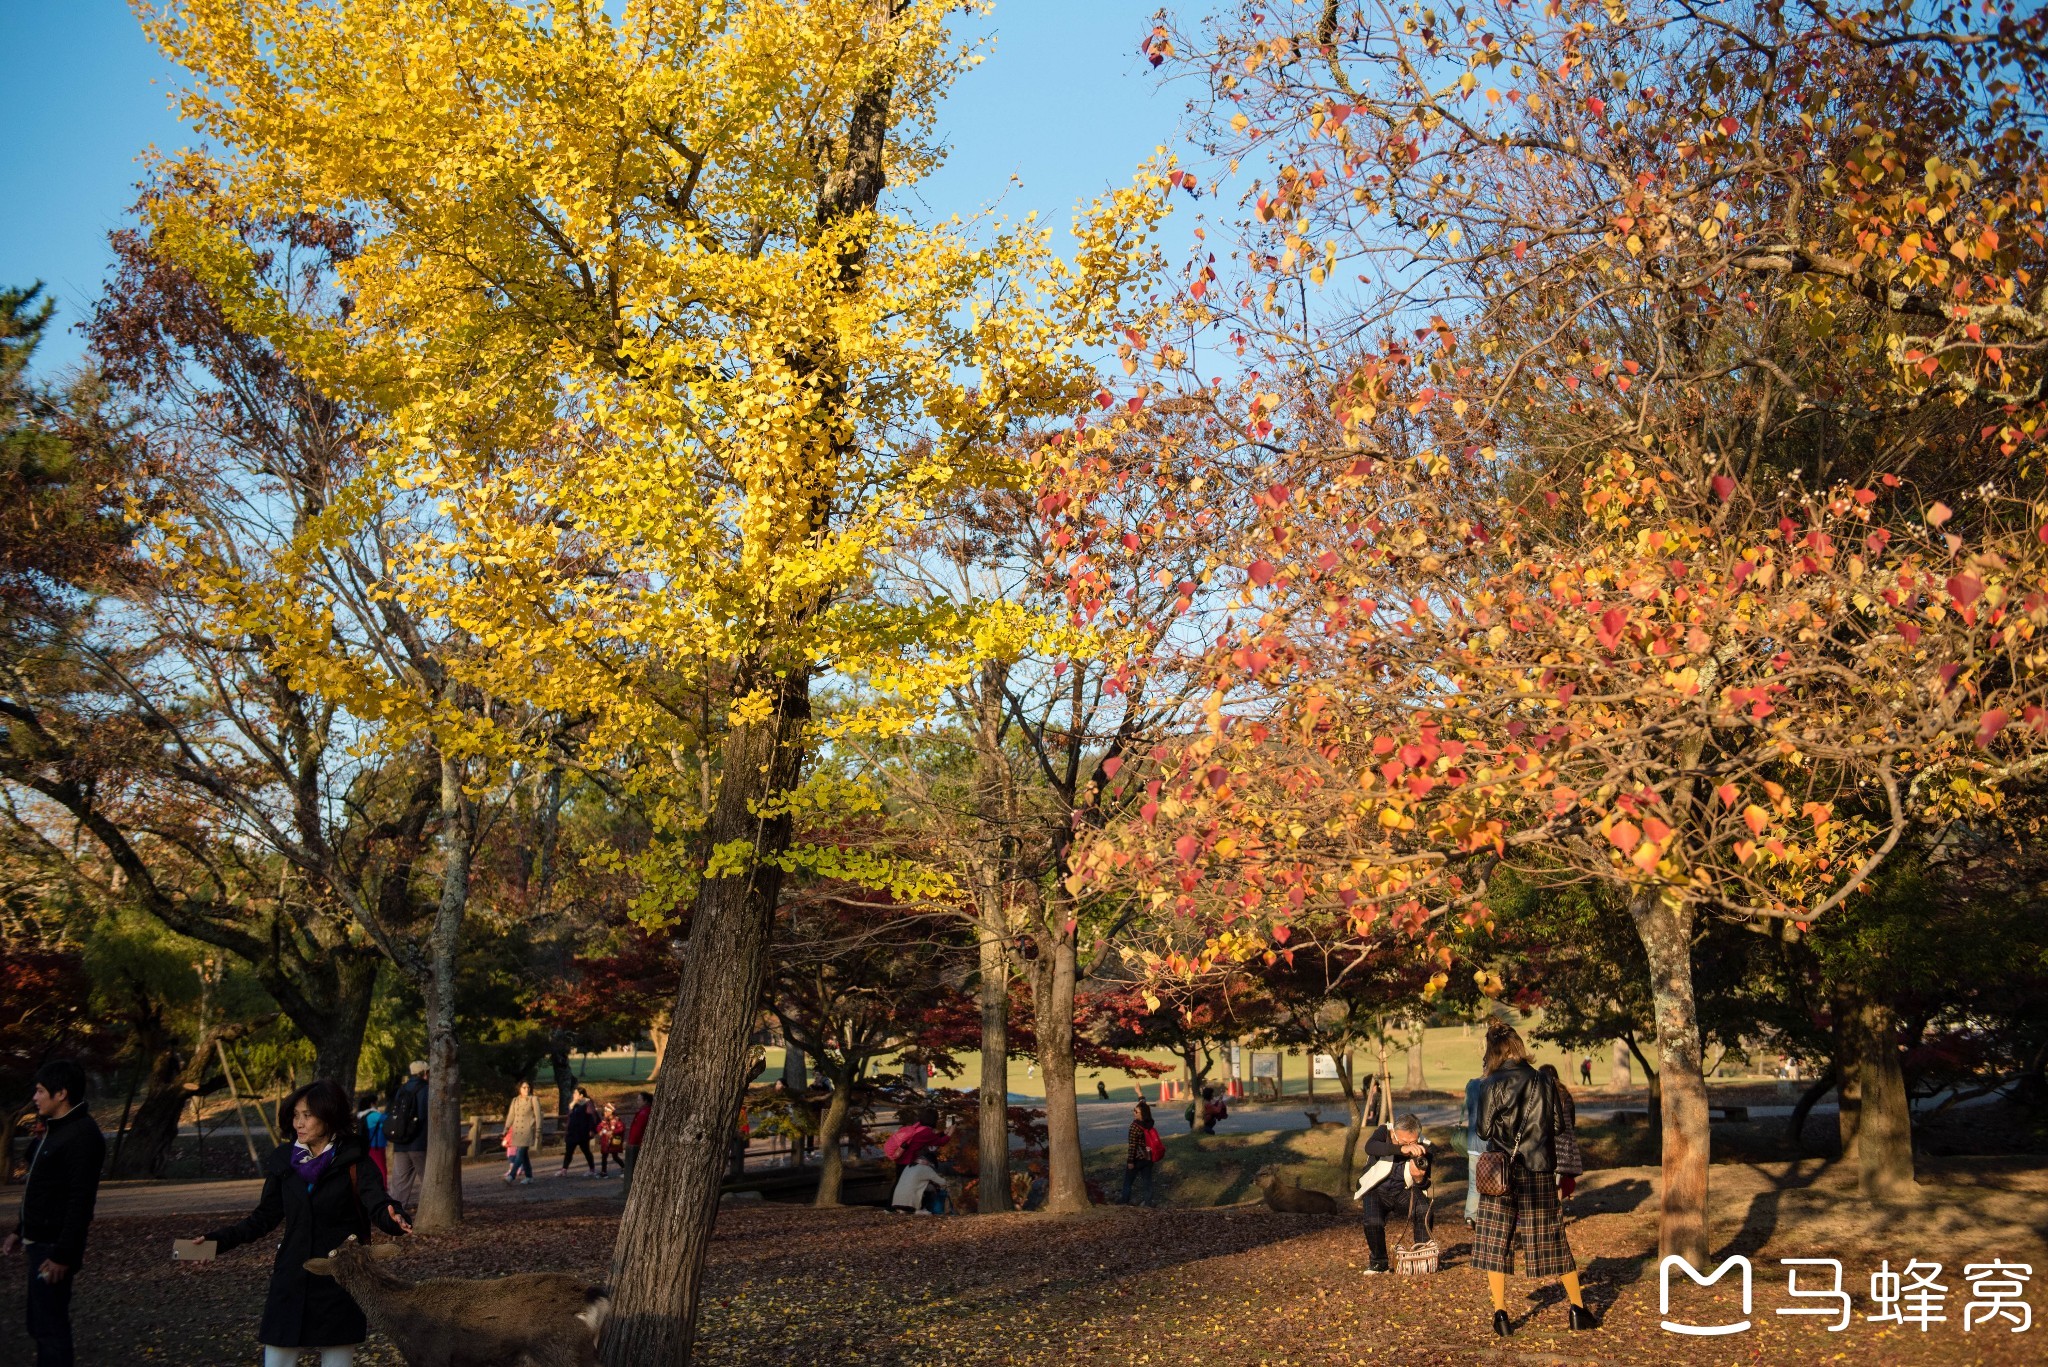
(1620, 486)
(637, 310)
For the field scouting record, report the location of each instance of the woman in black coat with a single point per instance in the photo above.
(325, 1190)
(1519, 1120)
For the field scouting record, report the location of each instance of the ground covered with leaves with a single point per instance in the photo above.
(1222, 1285)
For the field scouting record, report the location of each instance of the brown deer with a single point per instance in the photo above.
(1294, 1200)
(534, 1319)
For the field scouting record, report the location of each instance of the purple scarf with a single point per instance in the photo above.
(309, 1167)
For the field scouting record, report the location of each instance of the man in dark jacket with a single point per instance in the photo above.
(1396, 1178)
(406, 1143)
(56, 1206)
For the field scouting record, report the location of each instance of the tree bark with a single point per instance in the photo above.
(1053, 1006)
(1666, 935)
(1848, 1073)
(1417, 1078)
(1796, 1127)
(665, 1233)
(1354, 1108)
(559, 1043)
(1618, 1079)
(994, 1095)
(337, 1033)
(831, 1125)
(1884, 1124)
(440, 1203)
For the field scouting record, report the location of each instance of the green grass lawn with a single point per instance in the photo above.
(1218, 1169)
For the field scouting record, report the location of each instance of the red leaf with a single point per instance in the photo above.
(1111, 765)
(1727, 792)
(1939, 514)
(1724, 488)
(1282, 934)
(1990, 724)
(1625, 835)
(1965, 588)
(1187, 847)
(1261, 572)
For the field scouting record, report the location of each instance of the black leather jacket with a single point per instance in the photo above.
(1519, 1115)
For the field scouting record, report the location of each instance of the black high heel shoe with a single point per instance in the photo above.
(1500, 1324)
(1582, 1318)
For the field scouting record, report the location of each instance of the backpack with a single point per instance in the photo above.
(402, 1126)
(1222, 1109)
(1155, 1147)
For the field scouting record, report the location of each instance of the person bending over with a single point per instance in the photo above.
(1396, 1177)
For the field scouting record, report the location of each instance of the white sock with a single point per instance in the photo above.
(337, 1357)
(280, 1357)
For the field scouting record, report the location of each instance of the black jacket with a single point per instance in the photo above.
(63, 1182)
(1395, 1185)
(303, 1309)
(1519, 1115)
(582, 1123)
(418, 1143)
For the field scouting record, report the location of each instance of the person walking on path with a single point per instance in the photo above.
(577, 1127)
(1474, 1146)
(611, 1140)
(1519, 1118)
(325, 1191)
(1586, 1071)
(405, 1130)
(370, 1119)
(522, 1133)
(1142, 1149)
(1570, 1162)
(1396, 1177)
(635, 1131)
(56, 1206)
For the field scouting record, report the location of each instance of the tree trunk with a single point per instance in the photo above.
(795, 1076)
(1417, 1079)
(440, 1202)
(1618, 1079)
(831, 1125)
(1884, 1125)
(1848, 1073)
(1820, 1087)
(994, 1096)
(1052, 995)
(173, 1080)
(665, 1233)
(1682, 1213)
(337, 1032)
(1354, 1108)
(559, 1045)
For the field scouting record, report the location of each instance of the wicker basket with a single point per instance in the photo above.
(1415, 1260)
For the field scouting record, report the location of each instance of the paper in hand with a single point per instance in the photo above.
(194, 1250)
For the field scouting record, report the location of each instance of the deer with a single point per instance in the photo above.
(1294, 1200)
(533, 1319)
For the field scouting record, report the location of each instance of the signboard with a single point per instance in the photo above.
(1265, 1065)
(1326, 1068)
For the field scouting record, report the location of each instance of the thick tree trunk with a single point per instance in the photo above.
(440, 1201)
(337, 1031)
(1618, 1079)
(1355, 1102)
(831, 1126)
(559, 1043)
(665, 1233)
(1053, 1002)
(1682, 1212)
(1417, 1078)
(994, 1096)
(795, 1075)
(1884, 1124)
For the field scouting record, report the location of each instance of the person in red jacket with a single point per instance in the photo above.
(635, 1128)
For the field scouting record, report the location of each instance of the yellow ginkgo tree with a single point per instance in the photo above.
(642, 312)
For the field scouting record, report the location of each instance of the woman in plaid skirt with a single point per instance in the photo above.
(1519, 1116)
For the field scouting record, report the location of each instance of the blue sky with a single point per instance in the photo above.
(1064, 102)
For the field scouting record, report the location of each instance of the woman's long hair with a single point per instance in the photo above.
(1503, 1046)
(329, 1104)
(1145, 1112)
